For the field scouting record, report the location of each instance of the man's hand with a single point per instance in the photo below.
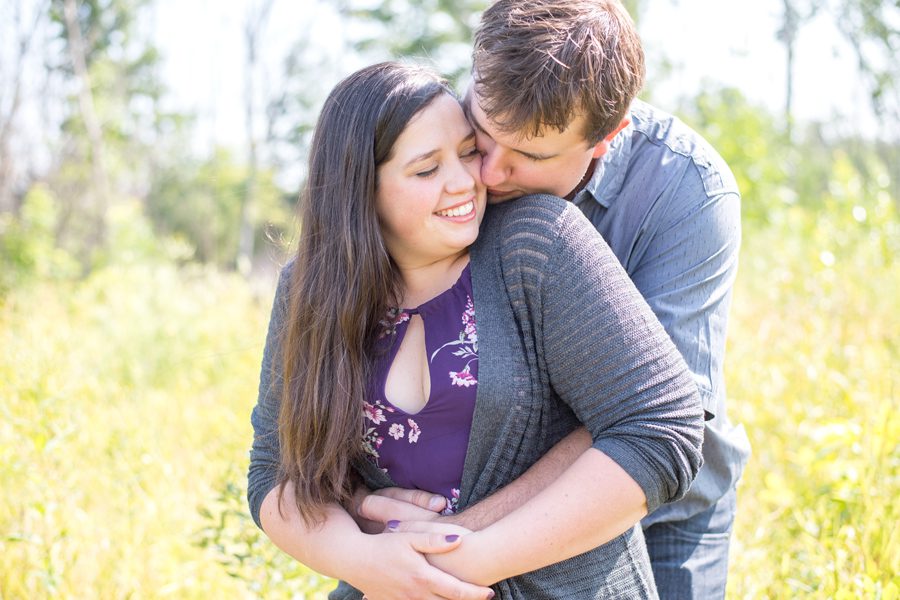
(373, 510)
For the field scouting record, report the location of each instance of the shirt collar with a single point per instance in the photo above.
(609, 173)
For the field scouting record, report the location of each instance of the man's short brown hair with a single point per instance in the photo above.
(541, 63)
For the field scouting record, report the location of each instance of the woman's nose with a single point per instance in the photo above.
(462, 179)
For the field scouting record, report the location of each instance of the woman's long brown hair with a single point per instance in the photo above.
(343, 281)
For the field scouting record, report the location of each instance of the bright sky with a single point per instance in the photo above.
(728, 41)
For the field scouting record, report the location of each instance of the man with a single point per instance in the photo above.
(554, 109)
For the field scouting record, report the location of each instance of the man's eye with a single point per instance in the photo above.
(428, 173)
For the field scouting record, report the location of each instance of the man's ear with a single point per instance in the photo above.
(603, 145)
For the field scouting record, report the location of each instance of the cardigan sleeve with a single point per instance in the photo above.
(265, 451)
(610, 360)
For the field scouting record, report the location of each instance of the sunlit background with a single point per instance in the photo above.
(150, 155)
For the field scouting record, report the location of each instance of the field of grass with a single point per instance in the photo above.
(814, 375)
(125, 398)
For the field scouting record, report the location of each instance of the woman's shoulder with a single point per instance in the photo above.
(536, 209)
(533, 223)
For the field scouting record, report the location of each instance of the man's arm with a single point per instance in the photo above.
(685, 266)
(592, 502)
(541, 474)
(415, 505)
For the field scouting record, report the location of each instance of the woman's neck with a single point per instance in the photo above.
(423, 282)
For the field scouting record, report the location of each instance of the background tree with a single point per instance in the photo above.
(254, 28)
(110, 120)
(439, 31)
(20, 31)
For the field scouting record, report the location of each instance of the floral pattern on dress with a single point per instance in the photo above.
(414, 431)
(396, 431)
(463, 378)
(372, 440)
(375, 412)
(467, 348)
(389, 324)
(452, 502)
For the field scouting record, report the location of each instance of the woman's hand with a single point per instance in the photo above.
(397, 568)
(385, 566)
(372, 510)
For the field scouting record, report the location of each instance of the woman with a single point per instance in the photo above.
(394, 318)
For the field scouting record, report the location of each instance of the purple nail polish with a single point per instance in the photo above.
(451, 538)
(393, 524)
(490, 595)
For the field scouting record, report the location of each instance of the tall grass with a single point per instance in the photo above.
(814, 374)
(124, 405)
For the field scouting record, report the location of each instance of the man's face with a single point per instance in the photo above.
(514, 165)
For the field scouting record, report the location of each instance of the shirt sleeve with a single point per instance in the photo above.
(265, 451)
(686, 268)
(611, 361)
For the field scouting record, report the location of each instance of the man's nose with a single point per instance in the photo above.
(494, 170)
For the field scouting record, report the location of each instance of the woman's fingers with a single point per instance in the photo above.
(451, 588)
(438, 527)
(434, 542)
(383, 509)
(421, 498)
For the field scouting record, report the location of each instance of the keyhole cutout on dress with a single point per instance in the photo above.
(408, 384)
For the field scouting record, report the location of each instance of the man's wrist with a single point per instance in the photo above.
(455, 519)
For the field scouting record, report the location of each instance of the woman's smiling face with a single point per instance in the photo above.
(430, 199)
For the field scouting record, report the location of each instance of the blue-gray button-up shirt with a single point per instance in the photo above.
(669, 207)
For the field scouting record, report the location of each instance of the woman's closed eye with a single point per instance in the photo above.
(427, 173)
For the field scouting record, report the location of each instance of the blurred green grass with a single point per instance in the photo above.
(814, 374)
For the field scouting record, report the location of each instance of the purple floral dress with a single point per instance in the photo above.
(426, 450)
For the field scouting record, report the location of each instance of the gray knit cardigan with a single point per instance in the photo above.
(563, 338)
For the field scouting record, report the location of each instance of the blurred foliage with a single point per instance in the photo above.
(774, 173)
(124, 398)
(122, 71)
(812, 358)
(200, 204)
(247, 554)
(872, 29)
(439, 31)
(28, 249)
(812, 374)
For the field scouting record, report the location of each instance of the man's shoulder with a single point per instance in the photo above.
(659, 137)
(664, 129)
